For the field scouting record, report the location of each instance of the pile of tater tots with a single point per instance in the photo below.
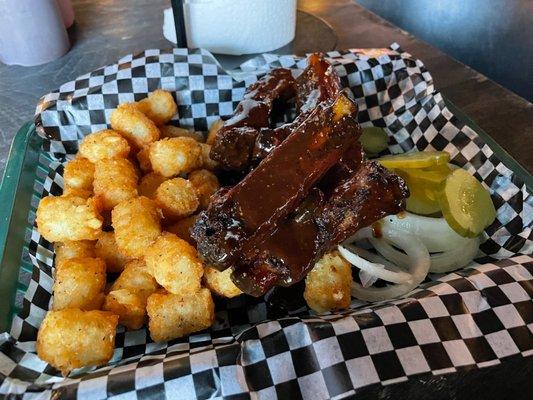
(130, 196)
(123, 252)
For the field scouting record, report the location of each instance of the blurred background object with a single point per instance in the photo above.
(494, 37)
(31, 32)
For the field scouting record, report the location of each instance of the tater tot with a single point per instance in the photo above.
(149, 184)
(182, 229)
(78, 176)
(175, 131)
(136, 127)
(174, 156)
(106, 248)
(171, 316)
(136, 277)
(177, 198)
(79, 283)
(104, 145)
(220, 283)
(115, 180)
(205, 183)
(174, 264)
(70, 249)
(143, 158)
(129, 305)
(207, 162)
(68, 218)
(137, 225)
(159, 106)
(213, 130)
(327, 286)
(70, 339)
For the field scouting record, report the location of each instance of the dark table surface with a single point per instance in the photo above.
(104, 31)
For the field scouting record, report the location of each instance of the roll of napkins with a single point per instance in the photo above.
(239, 26)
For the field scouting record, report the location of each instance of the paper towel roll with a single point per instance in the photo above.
(239, 26)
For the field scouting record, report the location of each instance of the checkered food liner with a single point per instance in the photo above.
(472, 318)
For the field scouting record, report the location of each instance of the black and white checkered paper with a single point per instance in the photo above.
(472, 318)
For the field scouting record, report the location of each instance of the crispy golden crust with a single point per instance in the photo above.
(159, 106)
(104, 145)
(78, 176)
(174, 156)
(177, 198)
(68, 218)
(79, 283)
(136, 127)
(70, 249)
(207, 161)
(70, 339)
(136, 277)
(172, 316)
(220, 283)
(129, 305)
(215, 127)
(174, 131)
(182, 229)
(149, 184)
(137, 225)
(143, 158)
(115, 180)
(106, 248)
(205, 183)
(327, 286)
(174, 264)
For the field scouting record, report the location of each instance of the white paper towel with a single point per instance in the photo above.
(236, 26)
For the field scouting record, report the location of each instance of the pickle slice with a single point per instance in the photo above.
(466, 204)
(418, 159)
(422, 200)
(374, 140)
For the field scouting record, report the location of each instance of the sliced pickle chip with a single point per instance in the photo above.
(466, 204)
(418, 159)
(374, 140)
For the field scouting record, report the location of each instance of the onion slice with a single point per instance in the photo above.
(374, 269)
(435, 233)
(416, 262)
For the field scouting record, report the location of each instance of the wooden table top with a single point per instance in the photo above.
(107, 30)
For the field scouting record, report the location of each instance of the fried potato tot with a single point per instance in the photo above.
(133, 125)
(171, 131)
(129, 305)
(136, 277)
(159, 106)
(115, 180)
(207, 162)
(69, 218)
(171, 316)
(174, 156)
(79, 283)
(70, 339)
(106, 248)
(177, 198)
(104, 145)
(78, 177)
(174, 264)
(182, 229)
(76, 249)
(205, 183)
(213, 130)
(143, 158)
(327, 286)
(149, 184)
(220, 283)
(137, 225)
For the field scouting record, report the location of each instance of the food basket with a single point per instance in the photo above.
(466, 320)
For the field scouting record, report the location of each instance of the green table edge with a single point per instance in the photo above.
(15, 201)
